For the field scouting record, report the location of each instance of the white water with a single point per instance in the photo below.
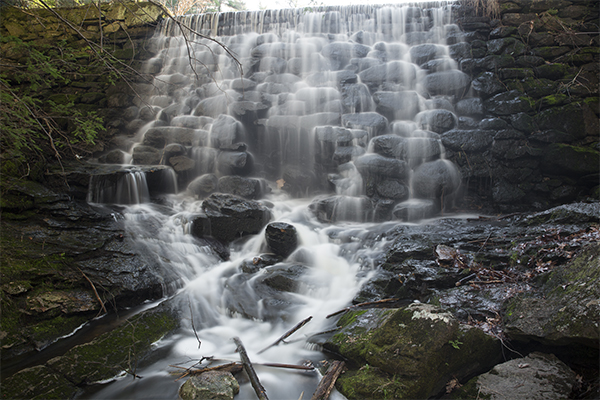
(211, 290)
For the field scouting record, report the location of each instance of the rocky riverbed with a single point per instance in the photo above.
(463, 295)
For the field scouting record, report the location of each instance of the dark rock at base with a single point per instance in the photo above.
(537, 377)
(230, 217)
(281, 238)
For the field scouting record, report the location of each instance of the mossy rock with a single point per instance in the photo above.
(39, 382)
(410, 352)
(570, 160)
(568, 309)
(116, 351)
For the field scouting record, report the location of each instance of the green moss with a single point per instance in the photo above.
(38, 382)
(370, 383)
(119, 350)
(557, 99)
(47, 331)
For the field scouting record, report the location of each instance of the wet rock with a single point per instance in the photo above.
(473, 140)
(450, 83)
(398, 105)
(410, 352)
(230, 217)
(341, 208)
(568, 312)
(436, 180)
(213, 385)
(372, 122)
(376, 166)
(281, 238)
(235, 163)
(415, 210)
(203, 185)
(225, 131)
(401, 72)
(249, 188)
(422, 53)
(538, 376)
(113, 157)
(146, 155)
(250, 266)
(487, 85)
(508, 103)
(340, 53)
(158, 137)
(391, 146)
(571, 160)
(438, 121)
(574, 213)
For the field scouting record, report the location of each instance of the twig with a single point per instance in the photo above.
(328, 382)
(95, 291)
(258, 388)
(287, 334)
(289, 366)
(368, 303)
(193, 327)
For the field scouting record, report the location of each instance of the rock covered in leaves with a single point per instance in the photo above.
(410, 352)
(569, 310)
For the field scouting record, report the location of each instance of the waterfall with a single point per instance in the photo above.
(334, 126)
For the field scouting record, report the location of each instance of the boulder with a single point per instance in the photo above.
(401, 72)
(450, 83)
(398, 105)
(438, 121)
(568, 312)
(203, 185)
(410, 352)
(211, 385)
(281, 238)
(341, 208)
(376, 166)
(229, 217)
(436, 180)
(538, 376)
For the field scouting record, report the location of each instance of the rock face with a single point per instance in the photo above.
(566, 312)
(538, 376)
(411, 352)
(211, 385)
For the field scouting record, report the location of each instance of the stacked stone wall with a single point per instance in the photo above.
(119, 32)
(532, 138)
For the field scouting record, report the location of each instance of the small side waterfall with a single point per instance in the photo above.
(337, 118)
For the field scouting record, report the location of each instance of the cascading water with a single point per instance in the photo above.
(347, 103)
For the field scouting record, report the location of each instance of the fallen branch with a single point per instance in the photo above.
(368, 303)
(328, 382)
(258, 388)
(231, 367)
(290, 366)
(287, 334)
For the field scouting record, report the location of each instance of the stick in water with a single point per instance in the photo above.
(287, 334)
(258, 388)
(328, 382)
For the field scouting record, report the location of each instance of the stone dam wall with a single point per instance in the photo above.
(530, 141)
